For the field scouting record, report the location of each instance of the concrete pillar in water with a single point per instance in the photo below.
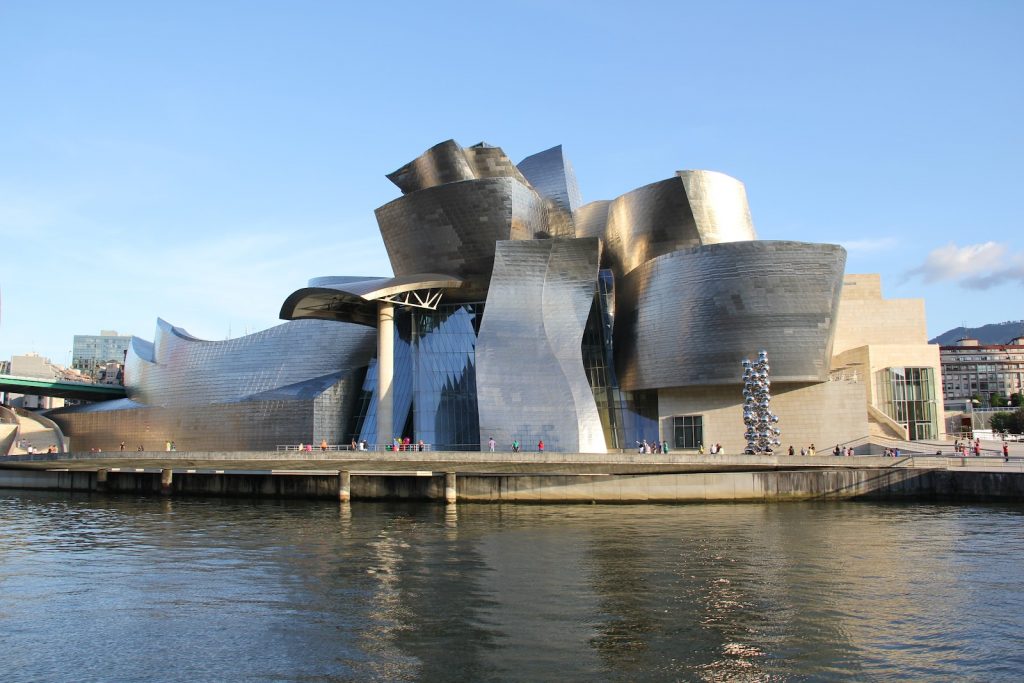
(101, 479)
(450, 494)
(344, 486)
(166, 477)
(385, 370)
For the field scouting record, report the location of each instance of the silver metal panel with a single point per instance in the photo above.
(190, 371)
(449, 162)
(443, 163)
(297, 381)
(719, 206)
(551, 174)
(453, 228)
(531, 384)
(648, 222)
(354, 301)
(690, 317)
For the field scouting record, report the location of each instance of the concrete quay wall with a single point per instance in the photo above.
(762, 486)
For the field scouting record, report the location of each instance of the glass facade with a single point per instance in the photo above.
(907, 395)
(434, 380)
(626, 417)
(688, 431)
(90, 353)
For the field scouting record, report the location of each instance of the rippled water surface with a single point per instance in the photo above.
(121, 589)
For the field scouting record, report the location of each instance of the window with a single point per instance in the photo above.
(688, 431)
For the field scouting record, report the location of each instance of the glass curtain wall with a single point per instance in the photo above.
(434, 381)
(907, 395)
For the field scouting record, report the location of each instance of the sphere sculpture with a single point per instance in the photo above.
(762, 434)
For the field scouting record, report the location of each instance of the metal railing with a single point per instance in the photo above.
(370, 447)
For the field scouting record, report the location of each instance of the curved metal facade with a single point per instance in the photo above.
(551, 174)
(689, 317)
(189, 370)
(294, 382)
(646, 223)
(449, 162)
(531, 384)
(453, 228)
(719, 206)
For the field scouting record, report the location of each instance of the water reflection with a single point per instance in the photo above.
(367, 591)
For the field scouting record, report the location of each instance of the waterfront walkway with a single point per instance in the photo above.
(486, 462)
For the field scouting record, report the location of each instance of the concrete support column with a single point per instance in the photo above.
(166, 478)
(450, 494)
(385, 370)
(101, 479)
(344, 486)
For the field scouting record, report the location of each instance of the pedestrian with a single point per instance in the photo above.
(896, 452)
(700, 448)
(173, 447)
(977, 448)
(835, 451)
(167, 446)
(140, 449)
(122, 445)
(1006, 452)
(812, 450)
(491, 444)
(419, 445)
(309, 448)
(664, 446)
(515, 446)
(540, 445)
(791, 451)
(803, 451)
(352, 445)
(323, 445)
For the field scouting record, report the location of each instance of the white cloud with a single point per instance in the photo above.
(974, 266)
(872, 244)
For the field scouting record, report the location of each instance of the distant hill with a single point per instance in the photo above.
(996, 333)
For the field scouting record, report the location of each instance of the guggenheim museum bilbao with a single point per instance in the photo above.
(518, 312)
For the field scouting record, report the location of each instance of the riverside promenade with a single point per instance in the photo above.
(522, 477)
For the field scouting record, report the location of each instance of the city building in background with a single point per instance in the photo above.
(37, 367)
(92, 354)
(989, 374)
(517, 312)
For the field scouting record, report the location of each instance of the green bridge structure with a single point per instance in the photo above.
(82, 391)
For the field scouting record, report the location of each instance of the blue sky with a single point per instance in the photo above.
(199, 161)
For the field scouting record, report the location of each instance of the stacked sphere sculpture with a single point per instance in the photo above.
(762, 435)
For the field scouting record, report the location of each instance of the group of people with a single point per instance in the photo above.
(810, 450)
(646, 446)
(32, 450)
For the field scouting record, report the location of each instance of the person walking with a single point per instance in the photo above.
(664, 446)
(323, 445)
(540, 445)
(1006, 452)
(792, 451)
(515, 445)
(491, 443)
(977, 448)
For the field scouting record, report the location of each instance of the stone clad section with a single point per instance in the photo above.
(688, 318)
(530, 379)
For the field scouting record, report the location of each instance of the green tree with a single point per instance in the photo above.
(1012, 423)
(1017, 399)
(996, 400)
(1000, 422)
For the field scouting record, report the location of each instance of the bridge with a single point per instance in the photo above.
(82, 391)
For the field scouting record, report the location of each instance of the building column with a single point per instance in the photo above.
(385, 370)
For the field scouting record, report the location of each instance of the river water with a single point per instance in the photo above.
(96, 588)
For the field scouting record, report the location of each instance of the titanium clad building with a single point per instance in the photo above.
(518, 312)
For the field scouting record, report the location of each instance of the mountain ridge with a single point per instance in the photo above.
(993, 333)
